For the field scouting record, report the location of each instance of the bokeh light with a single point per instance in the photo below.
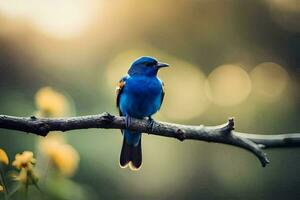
(59, 18)
(185, 97)
(228, 85)
(119, 66)
(269, 80)
(285, 5)
(51, 103)
(286, 13)
(62, 155)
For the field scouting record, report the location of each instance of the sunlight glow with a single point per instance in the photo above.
(59, 18)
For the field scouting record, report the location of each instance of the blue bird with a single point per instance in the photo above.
(139, 94)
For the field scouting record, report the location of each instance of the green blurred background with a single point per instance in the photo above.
(228, 58)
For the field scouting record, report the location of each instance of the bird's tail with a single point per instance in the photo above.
(131, 154)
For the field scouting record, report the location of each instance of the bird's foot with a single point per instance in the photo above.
(127, 121)
(151, 124)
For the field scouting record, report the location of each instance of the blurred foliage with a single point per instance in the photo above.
(51, 103)
(228, 58)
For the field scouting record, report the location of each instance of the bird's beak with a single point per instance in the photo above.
(161, 65)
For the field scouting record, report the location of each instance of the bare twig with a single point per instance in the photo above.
(219, 134)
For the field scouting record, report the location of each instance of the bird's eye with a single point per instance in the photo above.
(148, 64)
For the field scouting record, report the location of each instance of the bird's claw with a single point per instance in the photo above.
(127, 121)
(151, 124)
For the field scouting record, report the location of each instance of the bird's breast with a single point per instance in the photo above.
(141, 97)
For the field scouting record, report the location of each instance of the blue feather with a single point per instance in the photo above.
(141, 97)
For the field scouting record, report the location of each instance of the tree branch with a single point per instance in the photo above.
(219, 134)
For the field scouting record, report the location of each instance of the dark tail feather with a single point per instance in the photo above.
(136, 157)
(131, 155)
(125, 154)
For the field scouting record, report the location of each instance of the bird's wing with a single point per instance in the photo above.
(163, 92)
(119, 90)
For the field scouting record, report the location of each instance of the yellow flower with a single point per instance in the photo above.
(24, 160)
(3, 157)
(1, 188)
(25, 163)
(51, 103)
(63, 156)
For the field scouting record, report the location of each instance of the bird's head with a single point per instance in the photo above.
(146, 66)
